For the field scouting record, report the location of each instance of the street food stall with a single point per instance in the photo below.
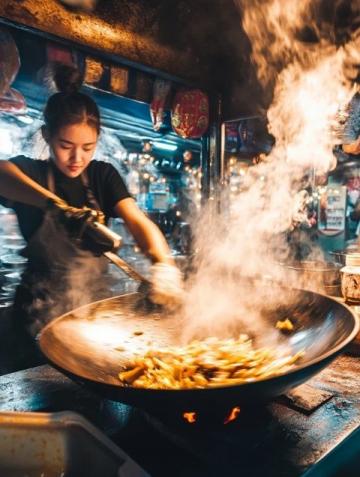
(256, 370)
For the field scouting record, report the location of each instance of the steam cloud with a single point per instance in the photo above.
(249, 237)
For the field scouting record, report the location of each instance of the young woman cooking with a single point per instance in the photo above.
(53, 198)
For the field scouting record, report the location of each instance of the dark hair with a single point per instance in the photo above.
(69, 106)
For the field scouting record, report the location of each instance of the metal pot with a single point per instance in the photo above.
(315, 275)
(339, 256)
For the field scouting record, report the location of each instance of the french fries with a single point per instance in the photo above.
(208, 363)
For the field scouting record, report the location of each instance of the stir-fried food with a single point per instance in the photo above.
(284, 325)
(208, 363)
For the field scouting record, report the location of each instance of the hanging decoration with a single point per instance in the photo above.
(119, 79)
(94, 72)
(11, 100)
(190, 113)
(55, 54)
(158, 104)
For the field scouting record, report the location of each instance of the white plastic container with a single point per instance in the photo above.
(350, 279)
(36, 444)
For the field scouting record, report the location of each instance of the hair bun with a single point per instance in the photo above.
(68, 79)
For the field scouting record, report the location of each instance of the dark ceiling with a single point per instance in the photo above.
(192, 39)
(200, 41)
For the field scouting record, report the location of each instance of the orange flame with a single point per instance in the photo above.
(235, 411)
(190, 417)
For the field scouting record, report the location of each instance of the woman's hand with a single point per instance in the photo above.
(74, 219)
(80, 226)
(145, 232)
(167, 286)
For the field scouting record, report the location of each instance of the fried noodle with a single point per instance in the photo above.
(208, 363)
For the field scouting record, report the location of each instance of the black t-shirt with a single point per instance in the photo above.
(104, 181)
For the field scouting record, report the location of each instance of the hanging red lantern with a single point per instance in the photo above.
(190, 113)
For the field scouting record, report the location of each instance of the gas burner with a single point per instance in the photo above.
(221, 439)
(219, 420)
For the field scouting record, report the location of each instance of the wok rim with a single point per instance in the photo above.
(327, 266)
(331, 354)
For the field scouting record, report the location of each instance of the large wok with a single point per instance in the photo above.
(93, 343)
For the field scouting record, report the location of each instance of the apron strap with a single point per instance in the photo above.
(50, 178)
(90, 197)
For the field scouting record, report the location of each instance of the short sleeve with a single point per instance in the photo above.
(112, 187)
(115, 188)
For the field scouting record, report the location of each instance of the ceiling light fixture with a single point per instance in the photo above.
(25, 119)
(165, 147)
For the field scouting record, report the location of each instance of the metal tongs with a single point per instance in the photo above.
(112, 242)
(125, 267)
(100, 231)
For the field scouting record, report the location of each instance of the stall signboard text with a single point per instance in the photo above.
(331, 211)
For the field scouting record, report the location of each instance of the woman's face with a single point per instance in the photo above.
(72, 148)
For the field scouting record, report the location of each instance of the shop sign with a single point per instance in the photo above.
(332, 210)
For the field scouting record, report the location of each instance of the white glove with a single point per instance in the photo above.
(167, 285)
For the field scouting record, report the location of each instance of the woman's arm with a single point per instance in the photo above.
(167, 287)
(18, 187)
(146, 233)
